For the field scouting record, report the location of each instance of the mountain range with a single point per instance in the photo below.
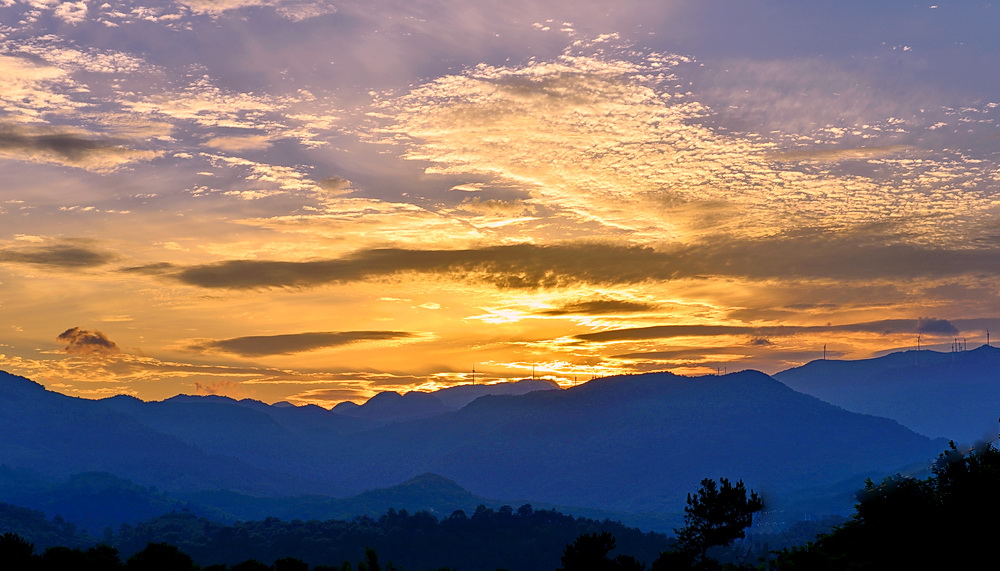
(629, 447)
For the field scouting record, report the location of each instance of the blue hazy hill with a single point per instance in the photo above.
(631, 444)
(951, 395)
(60, 435)
(638, 443)
(390, 406)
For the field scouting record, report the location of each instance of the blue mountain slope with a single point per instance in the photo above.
(639, 443)
(390, 406)
(626, 444)
(60, 435)
(952, 395)
(457, 397)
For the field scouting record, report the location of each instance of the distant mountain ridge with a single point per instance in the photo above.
(952, 395)
(390, 406)
(631, 444)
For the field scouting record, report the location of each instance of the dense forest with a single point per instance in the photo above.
(487, 539)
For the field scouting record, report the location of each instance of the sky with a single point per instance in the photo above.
(313, 201)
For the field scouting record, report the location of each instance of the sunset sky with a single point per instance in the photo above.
(313, 200)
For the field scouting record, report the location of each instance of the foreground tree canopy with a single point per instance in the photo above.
(717, 515)
(944, 521)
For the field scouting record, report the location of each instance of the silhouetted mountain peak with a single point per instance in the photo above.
(457, 397)
(434, 480)
(390, 406)
(384, 397)
(122, 399)
(201, 399)
(346, 407)
(11, 385)
(664, 385)
(427, 491)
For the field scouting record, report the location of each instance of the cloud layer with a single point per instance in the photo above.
(309, 200)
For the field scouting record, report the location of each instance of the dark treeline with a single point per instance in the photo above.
(521, 539)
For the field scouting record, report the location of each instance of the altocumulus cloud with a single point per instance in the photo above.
(87, 342)
(263, 345)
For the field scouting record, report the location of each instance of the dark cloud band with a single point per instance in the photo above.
(262, 345)
(884, 327)
(57, 256)
(805, 256)
(65, 148)
(516, 266)
(601, 307)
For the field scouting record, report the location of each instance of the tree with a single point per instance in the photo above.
(102, 558)
(15, 551)
(160, 557)
(944, 521)
(290, 564)
(371, 561)
(589, 552)
(716, 515)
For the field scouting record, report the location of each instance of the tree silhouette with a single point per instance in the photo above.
(589, 552)
(944, 521)
(15, 551)
(716, 515)
(160, 557)
(290, 564)
(371, 561)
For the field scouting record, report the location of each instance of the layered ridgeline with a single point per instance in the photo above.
(952, 395)
(632, 444)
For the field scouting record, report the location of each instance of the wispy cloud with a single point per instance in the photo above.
(614, 143)
(292, 9)
(29, 90)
